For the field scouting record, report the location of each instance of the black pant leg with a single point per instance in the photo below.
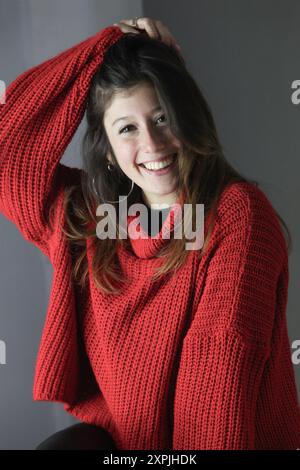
(80, 436)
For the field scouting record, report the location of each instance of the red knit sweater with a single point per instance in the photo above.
(198, 360)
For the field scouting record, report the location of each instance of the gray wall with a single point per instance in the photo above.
(243, 56)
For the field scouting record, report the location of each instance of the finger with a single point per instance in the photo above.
(130, 23)
(155, 28)
(167, 36)
(147, 25)
(125, 28)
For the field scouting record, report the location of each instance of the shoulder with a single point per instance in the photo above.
(245, 202)
(244, 207)
(243, 198)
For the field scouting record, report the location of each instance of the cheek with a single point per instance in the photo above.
(126, 157)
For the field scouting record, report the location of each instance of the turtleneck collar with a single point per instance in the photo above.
(147, 246)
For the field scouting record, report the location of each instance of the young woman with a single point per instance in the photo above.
(151, 345)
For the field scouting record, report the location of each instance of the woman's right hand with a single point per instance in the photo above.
(154, 28)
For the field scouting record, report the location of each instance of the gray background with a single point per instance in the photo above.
(244, 58)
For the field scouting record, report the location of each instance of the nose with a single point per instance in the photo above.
(152, 139)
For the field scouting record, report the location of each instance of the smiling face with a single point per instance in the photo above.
(143, 135)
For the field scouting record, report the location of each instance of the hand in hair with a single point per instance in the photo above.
(154, 28)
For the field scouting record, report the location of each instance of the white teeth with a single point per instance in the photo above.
(159, 165)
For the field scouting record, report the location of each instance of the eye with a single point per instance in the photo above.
(130, 125)
(122, 130)
(162, 116)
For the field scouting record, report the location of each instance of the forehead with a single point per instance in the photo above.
(139, 97)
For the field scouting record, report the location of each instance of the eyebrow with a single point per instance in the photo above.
(125, 117)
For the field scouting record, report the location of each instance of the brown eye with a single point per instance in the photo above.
(162, 116)
(127, 127)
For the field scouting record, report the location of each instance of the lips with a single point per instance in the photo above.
(161, 171)
(160, 160)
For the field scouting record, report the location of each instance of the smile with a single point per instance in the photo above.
(160, 168)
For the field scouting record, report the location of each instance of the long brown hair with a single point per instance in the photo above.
(203, 170)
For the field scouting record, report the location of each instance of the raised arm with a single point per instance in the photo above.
(43, 109)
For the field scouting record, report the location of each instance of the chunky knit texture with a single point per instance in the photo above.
(198, 360)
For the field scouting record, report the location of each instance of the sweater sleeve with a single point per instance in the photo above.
(43, 109)
(229, 341)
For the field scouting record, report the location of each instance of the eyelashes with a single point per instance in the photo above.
(130, 125)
